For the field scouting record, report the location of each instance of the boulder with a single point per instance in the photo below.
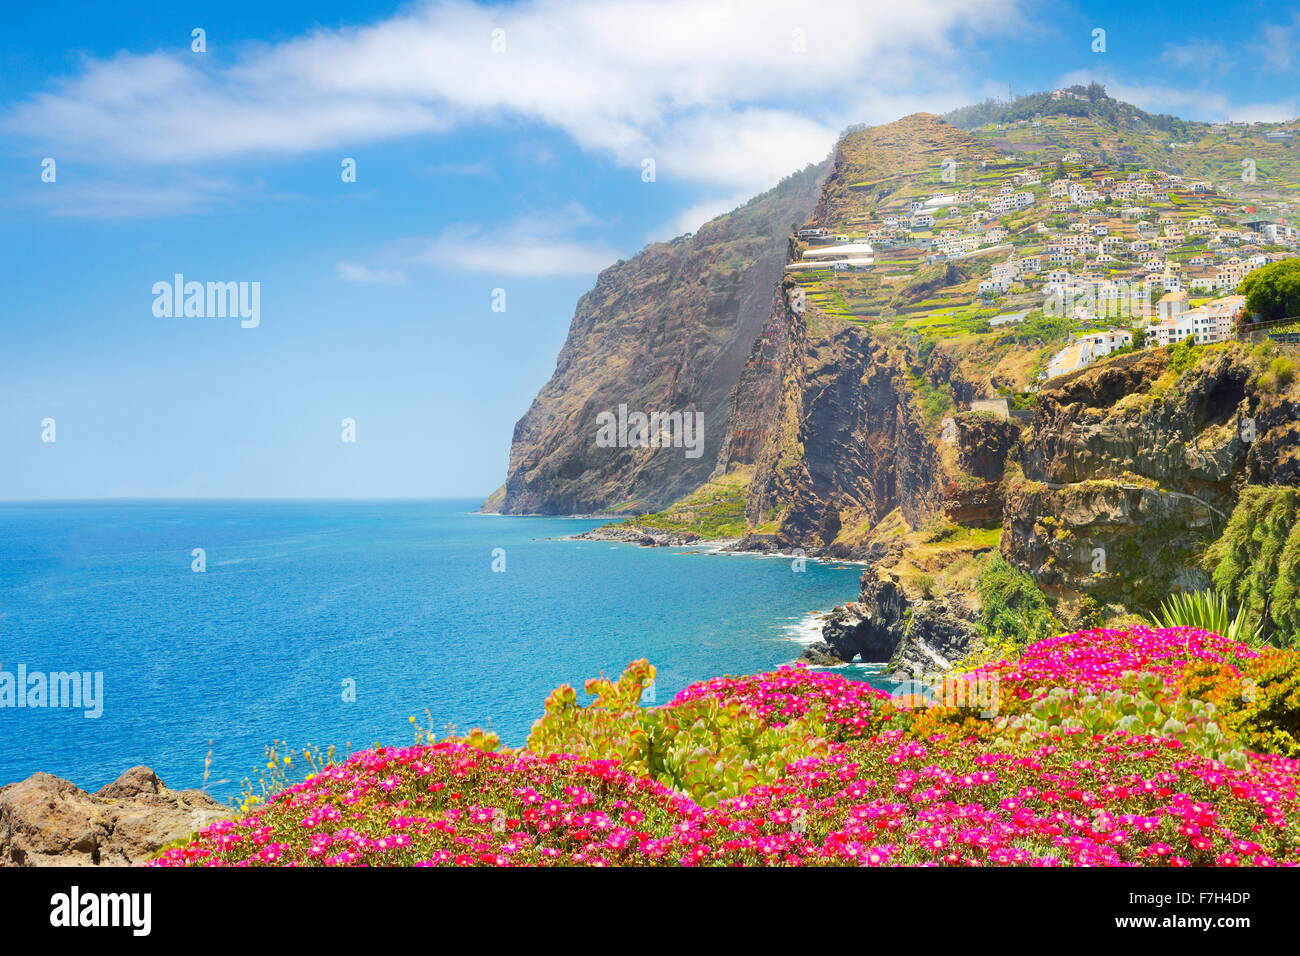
(47, 821)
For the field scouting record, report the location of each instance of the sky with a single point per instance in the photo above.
(500, 155)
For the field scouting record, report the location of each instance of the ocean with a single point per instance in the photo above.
(333, 622)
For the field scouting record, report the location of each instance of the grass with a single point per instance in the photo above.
(714, 510)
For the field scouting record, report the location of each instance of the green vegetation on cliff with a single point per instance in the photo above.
(1256, 563)
(714, 510)
(1013, 608)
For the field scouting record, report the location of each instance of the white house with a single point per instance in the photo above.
(1087, 348)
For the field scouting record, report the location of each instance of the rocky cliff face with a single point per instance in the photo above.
(847, 422)
(666, 331)
(828, 422)
(826, 409)
(1132, 467)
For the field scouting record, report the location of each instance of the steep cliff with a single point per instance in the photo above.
(828, 408)
(1133, 466)
(891, 411)
(837, 446)
(669, 330)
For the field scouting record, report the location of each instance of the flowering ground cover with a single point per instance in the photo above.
(815, 770)
(448, 803)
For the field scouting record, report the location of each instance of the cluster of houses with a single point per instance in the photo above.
(1214, 321)
(1132, 242)
(1095, 242)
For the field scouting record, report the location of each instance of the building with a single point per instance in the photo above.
(1087, 348)
(1213, 322)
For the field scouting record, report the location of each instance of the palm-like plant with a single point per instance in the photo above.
(1209, 611)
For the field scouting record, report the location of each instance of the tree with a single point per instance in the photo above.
(1273, 291)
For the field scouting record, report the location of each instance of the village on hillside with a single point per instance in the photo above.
(1122, 255)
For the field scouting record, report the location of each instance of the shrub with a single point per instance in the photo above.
(453, 805)
(1209, 612)
(851, 710)
(705, 747)
(1258, 701)
(1273, 291)
(1113, 747)
(1106, 801)
(1012, 605)
(1142, 704)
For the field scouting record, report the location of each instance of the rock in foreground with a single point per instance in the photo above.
(47, 821)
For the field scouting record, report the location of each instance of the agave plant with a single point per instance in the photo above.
(1209, 611)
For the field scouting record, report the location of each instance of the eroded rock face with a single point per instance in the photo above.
(669, 330)
(939, 634)
(825, 418)
(48, 821)
(1188, 441)
(1119, 543)
(1124, 487)
(914, 637)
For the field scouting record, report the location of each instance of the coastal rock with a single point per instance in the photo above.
(646, 537)
(939, 634)
(887, 625)
(852, 631)
(820, 654)
(48, 821)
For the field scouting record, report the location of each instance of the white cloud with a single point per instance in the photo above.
(355, 272)
(1194, 55)
(719, 88)
(533, 246)
(94, 197)
(1276, 48)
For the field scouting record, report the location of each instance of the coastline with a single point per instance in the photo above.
(807, 632)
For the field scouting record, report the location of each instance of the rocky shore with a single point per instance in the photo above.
(648, 537)
(48, 821)
(886, 625)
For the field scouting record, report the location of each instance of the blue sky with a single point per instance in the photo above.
(515, 168)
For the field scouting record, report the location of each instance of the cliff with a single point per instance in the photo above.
(668, 330)
(892, 412)
(1133, 466)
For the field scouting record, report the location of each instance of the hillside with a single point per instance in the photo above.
(971, 372)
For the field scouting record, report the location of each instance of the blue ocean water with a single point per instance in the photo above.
(398, 597)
